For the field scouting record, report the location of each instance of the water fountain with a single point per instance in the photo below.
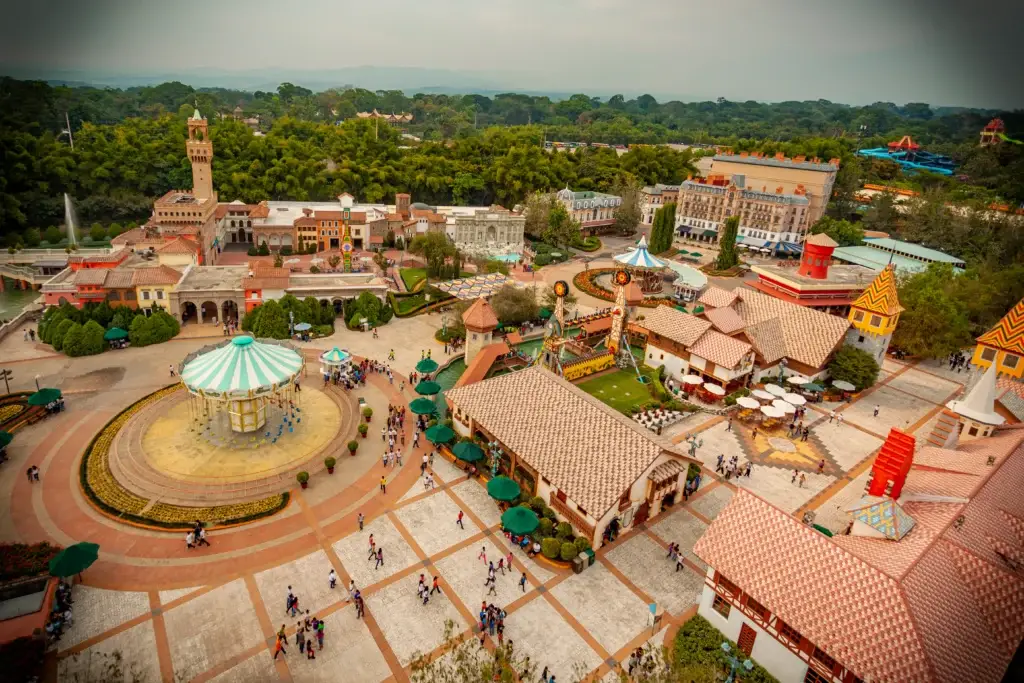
(70, 221)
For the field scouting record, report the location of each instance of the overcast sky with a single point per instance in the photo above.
(945, 52)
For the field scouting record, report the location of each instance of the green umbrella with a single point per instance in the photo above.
(519, 520)
(440, 433)
(696, 253)
(428, 388)
(5, 438)
(43, 396)
(115, 333)
(815, 388)
(467, 451)
(426, 366)
(503, 488)
(544, 314)
(74, 559)
(422, 406)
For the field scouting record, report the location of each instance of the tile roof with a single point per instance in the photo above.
(265, 282)
(91, 276)
(720, 349)
(1008, 334)
(261, 210)
(821, 240)
(717, 297)
(768, 340)
(674, 325)
(634, 295)
(161, 275)
(880, 296)
(810, 336)
(478, 368)
(939, 605)
(667, 470)
(480, 316)
(725, 320)
(130, 237)
(585, 448)
(179, 245)
(119, 278)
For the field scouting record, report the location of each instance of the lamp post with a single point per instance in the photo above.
(782, 366)
(694, 444)
(495, 452)
(735, 663)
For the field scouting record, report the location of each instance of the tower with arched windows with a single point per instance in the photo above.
(200, 153)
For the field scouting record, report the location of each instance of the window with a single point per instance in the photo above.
(973, 430)
(788, 632)
(661, 357)
(822, 657)
(860, 339)
(145, 295)
(129, 295)
(858, 316)
(1010, 361)
(721, 606)
(875, 321)
(159, 294)
(758, 609)
(560, 495)
(988, 355)
(730, 587)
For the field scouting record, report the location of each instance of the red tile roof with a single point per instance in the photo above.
(939, 605)
(161, 275)
(480, 316)
(179, 245)
(1008, 334)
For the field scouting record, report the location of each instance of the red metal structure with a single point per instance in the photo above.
(904, 144)
(892, 465)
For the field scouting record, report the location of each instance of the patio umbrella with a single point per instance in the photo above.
(519, 520)
(316, 260)
(775, 390)
(5, 438)
(713, 388)
(115, 333)
(787, 408)
(503, 488)
(761, 394)
(302, 327)
(291, 261)
(696, 253)
(467, 451)
(544, 314)
(693, 379)
(747, 402)
(427, 388)
(797, 379)
(422, 406)
(772, 411)
(440, 434)
(813, 388)
(43, 396)
(426, 366)
(795, 399)
(838, 384)
(74, 559)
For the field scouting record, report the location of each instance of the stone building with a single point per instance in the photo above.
(594, 210)
(493, 230)
(653, 197)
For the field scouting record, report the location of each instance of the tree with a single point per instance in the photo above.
(548, 299)
(881, 214)
(333, 260)
(264, 250)
(853, 365)
(844, 191)
(32, 237)
(53, 235)
(389, 239)
(537, 208)
(271, 322)
(278, 260)
(57, 336)
(562, 229)
(663, 229)
(97, 232)
(84, 340)
(845, 233)
(934, 322)
(727, 257)
(72, 333)
(628, 213)
(515, 305)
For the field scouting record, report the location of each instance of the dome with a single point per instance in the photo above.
(419, 206)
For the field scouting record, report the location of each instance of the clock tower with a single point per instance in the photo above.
(200, 153)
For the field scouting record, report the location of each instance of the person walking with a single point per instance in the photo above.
(459, 521)
(320, 634)
(309, 650)
(373, 550)
(380, 558)
(171, 367)
(279, 646)
(483, 554)
(501, 565)
(491, 582)
(821, 466)
(332, 579)
(202, 537)
(795, 475)
(728, 426)
(435, 587)
(383, 484)
(190, 540)
(361, 518)
(831, 415)
(803, 478)
(877, 408)
(300, 638)
(522, 582)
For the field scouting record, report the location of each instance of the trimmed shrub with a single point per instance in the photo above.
(57, 336)
(323, 330)
(363, 428)
(367, 412)
(567, 552)
(548, 513)
(253, 251)
(564, 530)
(302, 477)
(550, 548)
(582, 544)
(353, 446)
(537, 503)
(330, 462)
(545, 527)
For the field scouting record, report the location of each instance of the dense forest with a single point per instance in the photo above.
(475, 150)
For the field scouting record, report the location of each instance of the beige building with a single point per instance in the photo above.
(653, 197)
(490, 230)
(594, 210)
(813, 176)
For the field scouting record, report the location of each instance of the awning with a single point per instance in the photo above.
(683, 229)
(710, 233)
(751, 242)
(787, 248)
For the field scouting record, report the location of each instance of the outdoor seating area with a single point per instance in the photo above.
(659, 418)
(772, 406)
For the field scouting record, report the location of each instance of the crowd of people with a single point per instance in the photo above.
(958, 361)
(60, 614)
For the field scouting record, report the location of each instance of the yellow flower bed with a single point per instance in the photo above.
(10, 410)
(105, 489)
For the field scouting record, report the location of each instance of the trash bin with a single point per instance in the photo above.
(590, 556)
(578, 564)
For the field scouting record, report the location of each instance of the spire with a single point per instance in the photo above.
(980, 403)
(642, 244)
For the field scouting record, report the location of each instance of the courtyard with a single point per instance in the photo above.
(211, 613)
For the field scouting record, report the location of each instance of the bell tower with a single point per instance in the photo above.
(874, 315)
(200, 153)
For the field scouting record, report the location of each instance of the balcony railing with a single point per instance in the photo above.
(573, 517)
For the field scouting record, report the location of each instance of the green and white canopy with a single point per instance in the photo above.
(335, 357)
(243, 368)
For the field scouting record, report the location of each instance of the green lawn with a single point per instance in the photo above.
(413, 276)
(620, 389)
(406, 303)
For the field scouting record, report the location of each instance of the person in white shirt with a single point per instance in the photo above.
(332, 579)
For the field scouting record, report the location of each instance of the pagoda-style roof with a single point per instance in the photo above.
(880, 297)
(480, 316)
(1008, 334)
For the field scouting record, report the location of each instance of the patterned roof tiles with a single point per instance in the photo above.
(480, 316)
(809, 336)
(119, 278)
(720, 349)
(725, 320)
(588, 450)
(179, 245)
(1008, 334)
(91, 276)
(717, 297)
(768, 339)
(880, 297)
(674, 325)
(161, 275)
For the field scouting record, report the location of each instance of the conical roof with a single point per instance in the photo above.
(1008, 334)
(880, 297)
(480, 316)
(335, 356)
(241, 368)
(980, 404)
(640, 257)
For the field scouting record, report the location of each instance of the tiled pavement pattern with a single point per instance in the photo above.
(220, 628)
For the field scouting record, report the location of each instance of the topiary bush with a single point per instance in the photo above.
(537, 503)
(582, 544)
(57, 336)
(545, 527)
(564, 530)
(548, 513)
(567, 552)
(550, 548)
(73, 343)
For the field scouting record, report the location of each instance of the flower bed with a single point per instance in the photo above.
(106, 493)
(589, 243)
(18, 560)
(10, 410)
(586, 281)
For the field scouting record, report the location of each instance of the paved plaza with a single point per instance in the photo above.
(211, 614)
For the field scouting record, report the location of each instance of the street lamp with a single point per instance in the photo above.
(782, 366)
(495, 451)
(735, 663)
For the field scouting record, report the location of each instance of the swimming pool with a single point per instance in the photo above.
(507, 258)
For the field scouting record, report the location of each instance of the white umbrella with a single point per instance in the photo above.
(775, 390)
(316, 259)
(797, 379)
(693, 379)
(771, 411)
(291, 261)
(761, 394)
(747, 402)
(843, 386)
(795, 399)
(787, 408)
(713, 388)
